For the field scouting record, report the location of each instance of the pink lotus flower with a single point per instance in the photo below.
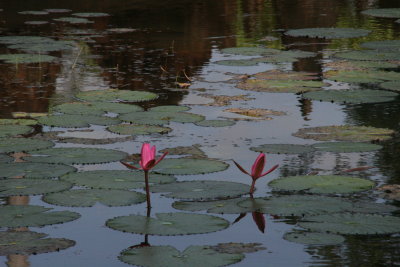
(148, 158)
(256, 170)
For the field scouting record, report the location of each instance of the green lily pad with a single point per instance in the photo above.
(57, 10)
(368, 55)
(27, 187)
(160, 118)
(76, 155)
(26, 58)
(194, 151)
(237, 62)
(250, 51)
(34, 170)
(280, 86)
(352, 223)
(286, 75)
(360, 65)
(33, 12)
(383, 12)
(5, 159)
(346, 147)
(90, 14)
(215, 123)
(386, 45)
(362, 76)
(283, 149)
(24, 39)
(7, 130)
(111, 95)
(202, 190)
(328, 33)
(195, 256)
(76, 121)
(95, 108)
(73, 20)
(227, 206)
(115, 179)
(33, 216)
(275, 59)
(43, 47)
(184, 166)
(344, 133)
(392, 85)
(233, 247)
(36, 22)
(89, 197)
(322, 184)
(26, 122)
(13, 144)
(352, 96)
(170, 108)
(27, 243)
(130, 129)
(167, 224)
(310, 238)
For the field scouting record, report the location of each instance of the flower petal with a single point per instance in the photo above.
(130, 166)
(258, 166)
(270, 170)
(162, 156)
(241, 168)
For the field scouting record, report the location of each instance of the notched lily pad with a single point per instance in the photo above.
(286, 75)
(185, 166)
(194, 151)
(283, 149)
(311, 238)
(34, 170)
(114, 95)
(27, 187)
(250, 51)
(383, 12)
(280, 86)
(13, 144)
(8, 130)
(257, 113)
(130, 129)
(227, 206)
(237, 62)
(26, 58)
(362, 76)
(328, 33)
(352, 96)
(76, 121)
(215, 123)
(368, 55)
(232, 247)
(346, 147)
(170, 108)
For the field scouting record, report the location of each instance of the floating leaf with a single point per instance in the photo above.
(7, 130)
(111, 95)
(34, 170)
(115, 179)
(322, 184)
(76, 121)
(5, 159)
(43, 47)
(90, 15)
(352, 223)
(368, 55)
(362, 76)
(344, 133)
(237, 62)
(160, 118)
(202, 190)
(183, 166)
(27, 187)
(26, 58)
(346, 147)
(215, 123)
(360, 65)
(393, 86)
(328, 33)
(33, 12)
(227, 206)
(383, 12)
(169, 109)
(73, 20)
(129, 129)
(18, 122)
(88, 198)
(283, 149)
(168, 224)
(76, 155)
(193, 150)
(310, 238)
(280, 86)
(386, 45)
(26, 243)
(352, 96)
(57, 10)
(13, 144)
(36, 22)
(24, 39)
(159, 256)
(250, 51)
(286, 75)
(81, 108)
(233, 247)
(33, 216)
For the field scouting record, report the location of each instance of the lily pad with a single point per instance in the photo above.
(18, 122)
(352, 223)
(322, 184)
(344, 133)
(58, 10)
(27, 187)
(73, 20)
(184, 166)
(34, 170)
(286, 75)
(250, 51)
(129, 129)
(362, 76)
(346, 147)
(170, 108)
(5, 159)
(194, 151)
(13, 144)
(202, 190)
(43, 47)
(76, 155)
(90, 14)
(115, 179)
(237, 62)
(392, 85)
(26, 58)
(227, 206)
(368, 55)
(360, 65)
(160, 118)
(95, 108)
(24, 39)
(36, 22)
(328, 33)
(233, 247)
(195, 256)
(383, 12)
(352, 96)
(7, 130)
(33, 12)
(88, 198)
(385, 45)
(33, 216)
(76, 121)
(283, 149)
(112, 95)
(166, 224)
(310, 238)
(215, 123)
(27, 243)
(280, 86)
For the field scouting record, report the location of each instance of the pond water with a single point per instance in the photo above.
(174, 49)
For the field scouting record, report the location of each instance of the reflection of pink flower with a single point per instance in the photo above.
(148, 158)
(259, 219)
(256, 170)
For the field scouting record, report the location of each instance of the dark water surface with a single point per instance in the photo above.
(177, 37)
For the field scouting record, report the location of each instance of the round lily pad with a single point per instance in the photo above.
(58, 10)
(202, 190)
(33, 216)
(8, 130)
(227, 206)
(24, 39)
(362, 76)
(89, 197)
(344, 133)
(36, 22)
(386, 45)
(310, 238)
(250, 51)
(43, 47)
(13, 144)
(286, 75)
(183, 166)
(95, 108)
(111, 95)
(5, 159)
(392, 85)
(360, 65)
(26, 243)
(115, 179)
(130, 129)
(33, 12)
(160, 256)
(26, 58)
(76, 155)
(322, 184)
(74, 20)
(167, 224)
(280, 86)
(383, 12)
(352, 223)
(18, 122)
(34, 170)
(215, 123)
(76, 121)
(328, 33)
(346, 147)
(27, 187)
(160, 118)
(237, 62)
(283, 149)
(352, 96)
(90, 14)
(170, 108)
(368, 55)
